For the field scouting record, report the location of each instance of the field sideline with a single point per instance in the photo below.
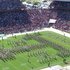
(37, 59)
(44, 29)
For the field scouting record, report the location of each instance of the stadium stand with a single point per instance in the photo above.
(14, 17)
(23, 20)
(10, 5)
(62, 8)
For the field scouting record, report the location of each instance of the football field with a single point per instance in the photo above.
(35, 51)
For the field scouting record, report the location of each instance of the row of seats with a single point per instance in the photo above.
(60, 5)
(63, 15)
(61, 23)
(31, 19)
(10, 5)
(12, 18)
(26, 20)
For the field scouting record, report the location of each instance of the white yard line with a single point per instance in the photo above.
(44, 29)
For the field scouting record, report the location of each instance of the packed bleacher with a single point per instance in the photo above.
(14, 17)
(26, 20)
(61, 5)
(62, 8)
(10, 5)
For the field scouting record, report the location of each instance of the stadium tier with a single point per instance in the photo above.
(25, 41)
(14, 17)
(62, 8)
(10, 5)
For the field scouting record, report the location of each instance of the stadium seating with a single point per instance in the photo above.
(14, 17)
(23, 20)
(10, 5)
(63, 15)
(60, 5)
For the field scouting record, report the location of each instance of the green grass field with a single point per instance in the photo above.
(38, 58)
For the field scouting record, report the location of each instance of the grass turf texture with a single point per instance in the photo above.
(36, 61)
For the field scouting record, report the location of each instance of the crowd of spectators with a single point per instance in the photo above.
(10, 5)
(14, 17)
(30, 19)
(60, 5)
(63, 25)
(62, 8)
(63, 15)
(39, 17)
(24, 20)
